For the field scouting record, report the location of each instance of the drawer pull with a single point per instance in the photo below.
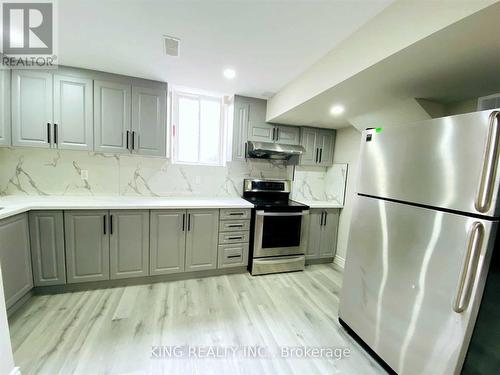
(235, 238)
(235, 225)
(236, 213)
(233, 256)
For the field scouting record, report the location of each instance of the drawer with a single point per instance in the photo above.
(233, 255)
(233, 237)
(234, 213)
(234, 225)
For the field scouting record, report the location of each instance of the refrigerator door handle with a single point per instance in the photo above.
(490, 158)
(469, 268)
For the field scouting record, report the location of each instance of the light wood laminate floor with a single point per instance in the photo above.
(113, 331)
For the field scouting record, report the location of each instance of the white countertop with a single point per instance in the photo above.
(13, 205)
(320, 204)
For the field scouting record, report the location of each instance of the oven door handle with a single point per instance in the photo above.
(263, 213)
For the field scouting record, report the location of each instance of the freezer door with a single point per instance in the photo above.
(449, 162)
(413, 281)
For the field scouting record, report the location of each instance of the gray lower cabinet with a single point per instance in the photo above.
(15, 258)
(47, 247)
(233, 255)
(168, 241)
(129, 243)
(202, 239)
(87, 245)
(5, 108)
(322, 236)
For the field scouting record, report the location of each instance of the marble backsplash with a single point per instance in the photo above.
(320, 184)
(52, 172)
(26, 171)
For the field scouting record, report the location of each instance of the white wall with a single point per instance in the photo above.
(6, 359)
(346, 151)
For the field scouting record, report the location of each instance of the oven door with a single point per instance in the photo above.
(278, 233)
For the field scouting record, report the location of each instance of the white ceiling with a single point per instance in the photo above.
(268, 43)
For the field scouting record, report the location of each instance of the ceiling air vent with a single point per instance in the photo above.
(488, 102)
(172, 45)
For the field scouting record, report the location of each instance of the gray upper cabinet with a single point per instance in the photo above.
(5, 139)
(322, 235)
(129, 243)
(15, 258)
(319, 144)
(168, 241)
(73, 113)
(326, 142)
(112, 109)
(87, 245)
(202, 239)
(47, 247)
(149, 107)
(288, 135)
(240, 128)
(261, 132)
(31, 108)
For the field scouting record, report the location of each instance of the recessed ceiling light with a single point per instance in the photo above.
(336, 110)
(229, 73)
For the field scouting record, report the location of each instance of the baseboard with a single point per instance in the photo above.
(15, 371)
(339, 261)
(319, 261)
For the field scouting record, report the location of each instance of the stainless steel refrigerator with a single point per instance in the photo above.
(423, 246)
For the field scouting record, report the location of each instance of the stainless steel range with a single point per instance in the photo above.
(277, 242)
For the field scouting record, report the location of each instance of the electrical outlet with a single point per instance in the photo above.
(84, 174)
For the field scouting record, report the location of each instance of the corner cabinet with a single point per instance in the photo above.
(319, 145)
(47, 247)
(15, 258)
(322, 236)
(202, 236)
(5, 123)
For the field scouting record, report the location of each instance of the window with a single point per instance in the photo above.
(198, 129)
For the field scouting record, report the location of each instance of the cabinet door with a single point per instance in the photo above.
(129, 243)
(201, 239)
(329, 232)
(149, 107)
(73, 113)
(240, 129)
(111, 116)
(309, 141)
(87, 245)
(261, 132)
(5, 108)
(31, 108)
(326, 141)
(15, 258)
(288, 135)
(168, 241)
(314, 235)
(47, 247)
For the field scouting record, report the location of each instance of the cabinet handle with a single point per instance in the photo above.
(321, 219)
(326, 215)
(235, 238)
(133, 140)
(320, 154)
(55, 134)
(233, 256)
(317, 150)
(246, 150)
(236, 213)
(235, 225)
(183, 222)
(277, 134)
(274, 134)
(48, 132)
(128, 136)
(104, 226)
(110, 224)
(189, 222)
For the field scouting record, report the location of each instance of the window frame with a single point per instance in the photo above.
(176, 95)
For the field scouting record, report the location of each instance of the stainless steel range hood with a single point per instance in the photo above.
(275, 151)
